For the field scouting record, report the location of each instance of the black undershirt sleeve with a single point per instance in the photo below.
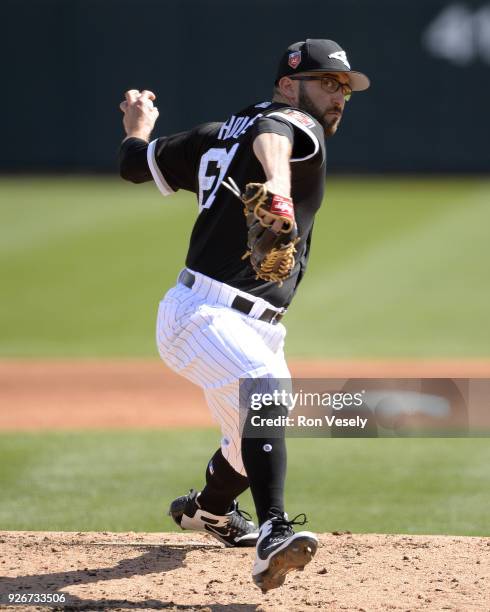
(133, 165)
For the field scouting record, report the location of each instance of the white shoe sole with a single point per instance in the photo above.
(197, 524)
(294, 556)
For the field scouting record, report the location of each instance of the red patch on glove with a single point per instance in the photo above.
(283, 207)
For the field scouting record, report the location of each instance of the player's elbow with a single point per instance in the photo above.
(125, 171)
(128, 172)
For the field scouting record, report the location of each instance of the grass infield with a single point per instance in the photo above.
(124, 481)
(399, 267)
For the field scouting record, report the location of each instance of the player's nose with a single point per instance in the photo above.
(339, 97)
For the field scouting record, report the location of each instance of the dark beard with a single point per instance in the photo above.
(305, 103)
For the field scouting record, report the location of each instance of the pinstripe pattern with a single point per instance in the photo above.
(200, 337)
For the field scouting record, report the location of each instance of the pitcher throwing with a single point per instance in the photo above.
(259, 180)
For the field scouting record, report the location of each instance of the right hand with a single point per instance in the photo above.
(139, 113)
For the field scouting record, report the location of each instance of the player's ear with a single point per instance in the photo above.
(289, 89)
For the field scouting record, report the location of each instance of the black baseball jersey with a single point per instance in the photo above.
(200, 159)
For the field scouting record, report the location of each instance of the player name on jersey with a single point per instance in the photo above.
(236, 126)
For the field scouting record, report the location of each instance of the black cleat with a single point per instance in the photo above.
(280, 551)
(235, 528)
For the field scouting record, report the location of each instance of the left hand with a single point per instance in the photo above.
(139, 113)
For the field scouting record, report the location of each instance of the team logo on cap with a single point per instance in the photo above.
(294, 59)
(340, 55)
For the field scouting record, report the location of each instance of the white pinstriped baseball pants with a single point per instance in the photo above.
(213, 345)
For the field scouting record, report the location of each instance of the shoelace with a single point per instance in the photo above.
(281, 526)
(238, 520)
(243, 513)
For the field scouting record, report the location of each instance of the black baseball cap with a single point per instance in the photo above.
(319, 55)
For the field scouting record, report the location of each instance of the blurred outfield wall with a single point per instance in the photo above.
(68, 62)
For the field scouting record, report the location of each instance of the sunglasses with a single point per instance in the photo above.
(328, 84)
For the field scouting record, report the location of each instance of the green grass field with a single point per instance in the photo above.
(124, 481)
(399, 267)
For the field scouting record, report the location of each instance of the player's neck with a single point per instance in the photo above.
(280, 98)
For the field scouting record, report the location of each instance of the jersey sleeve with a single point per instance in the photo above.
(172, 160)
(132, 160)
(275, 125)
(304, 133)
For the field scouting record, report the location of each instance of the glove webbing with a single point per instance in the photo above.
(277, 264)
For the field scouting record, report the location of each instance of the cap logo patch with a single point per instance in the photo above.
(340, 55)
(294, 59)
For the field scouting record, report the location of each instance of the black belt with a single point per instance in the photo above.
(239, 303)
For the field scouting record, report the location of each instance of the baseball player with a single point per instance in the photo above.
(259, 179)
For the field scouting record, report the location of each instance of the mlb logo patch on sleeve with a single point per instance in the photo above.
(299, 116)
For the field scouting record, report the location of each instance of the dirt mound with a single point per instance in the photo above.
(111, 571)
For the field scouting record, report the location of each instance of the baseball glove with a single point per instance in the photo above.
(271, 250)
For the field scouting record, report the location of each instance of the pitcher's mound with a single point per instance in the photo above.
(121, 571)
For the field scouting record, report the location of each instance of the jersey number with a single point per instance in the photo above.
(212, 170)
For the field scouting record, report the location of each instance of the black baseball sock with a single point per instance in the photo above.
(223, 485)
(265, 460)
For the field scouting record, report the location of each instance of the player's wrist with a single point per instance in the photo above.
(279, 187)
(130, 136)
(141, 134)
